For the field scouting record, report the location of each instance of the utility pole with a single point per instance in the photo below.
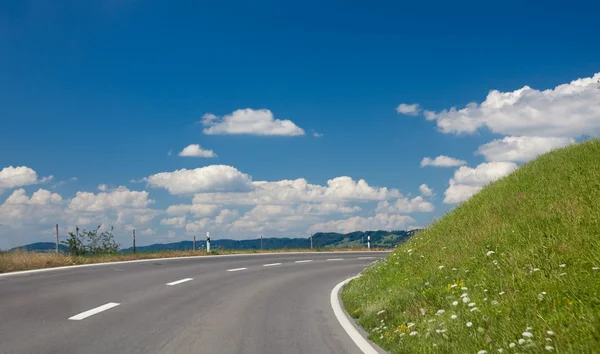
(207, 242)
(261, 242)
(56, 238)
(311, 241)
(133, 240)
(194, 242)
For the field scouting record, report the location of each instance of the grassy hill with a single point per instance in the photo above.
(515, 269)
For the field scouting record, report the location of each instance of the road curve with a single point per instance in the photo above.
(272, 303)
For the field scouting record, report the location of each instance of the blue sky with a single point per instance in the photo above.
(99, 92)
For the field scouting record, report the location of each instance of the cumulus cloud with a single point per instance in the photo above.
(568, 110)
(521, 148)
(338, 190)
(195, 150)
(378, 222)
(203, 179)
(177, 222)
(117, 198)
(442, 161)
(249, 121)
(468, 181)
(199, 210)
(102, 187)
(405, 205)
(408, 109)
(12, 177)
(18, 209)
(425, 190)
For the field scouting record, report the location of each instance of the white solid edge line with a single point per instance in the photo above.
(179, 281)
(94, 311)
(358, 339)
(366, 257)
(335, 259)
(271, 264)
(236, 269)
(304, 261)
(31, 271)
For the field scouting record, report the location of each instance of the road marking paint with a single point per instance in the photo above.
(236, 269)
(304, 261)
(366, 257)
(335, 259)
(179, 281)
(358, 339)
(92, 312)
(271, 264)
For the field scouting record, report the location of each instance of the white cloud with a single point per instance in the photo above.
(442, 161)
(317, 135)
(425, 190)
(405, 205)
(140, 219)
(249, 121)
(568, 110)
(19, 210)
(226, 216)
(41, 197)
(521, 148)
(12, 177)
(357, 223)
(115, 199)
(148, 232)
(338, 190)
(203, 179)
(195, 150)
(177, 222)
(408, 109)
(468, 181)
(102, 187)
(199, 210)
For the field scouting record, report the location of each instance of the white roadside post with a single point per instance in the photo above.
(369, 242)
(208, 242)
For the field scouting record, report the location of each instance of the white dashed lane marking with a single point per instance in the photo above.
(271, 264)
(179, 281)
(236, 269)
(335, 259)
(304, 261)
(94, 311)
(366, 257)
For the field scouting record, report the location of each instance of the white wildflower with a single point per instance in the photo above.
(454, 303)
(426, 283)
(562, 274)
(469, 324)
(410, 324)
(409, 251)
(482, 352)
(440, 312)
(471, 304)
(485, 299)
(474, 309)
(494, 302)
(521, 341)
(466, 299)
(441, 267)
(464, 288)
(595, 268)
(453, 286)
(529, 328)
(536, 269)
(413, 333)
(562, 265)
(550, 333)
(453, 317)
(527, 335)
(454, 269)
(431, 320)
(500, 350)
(485, 290)
(463, 295)
(540, 297)
(380, 312)
(548, 339)
(512, 345)
(402, 334)
(489, 253)
(543, 293)
(501, 293)
(549, 348)
(495, 262)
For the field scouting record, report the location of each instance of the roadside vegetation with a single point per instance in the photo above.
(23, 260)
(515, 269)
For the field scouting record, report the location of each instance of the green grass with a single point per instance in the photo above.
(525, 250)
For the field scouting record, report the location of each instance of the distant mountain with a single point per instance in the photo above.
(379, 239)
(41, 247)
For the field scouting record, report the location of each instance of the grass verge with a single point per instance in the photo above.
(515, 269)
(23, 260)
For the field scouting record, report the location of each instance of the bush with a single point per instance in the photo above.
(91, 242)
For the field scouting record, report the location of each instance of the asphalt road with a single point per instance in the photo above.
(213, 305)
